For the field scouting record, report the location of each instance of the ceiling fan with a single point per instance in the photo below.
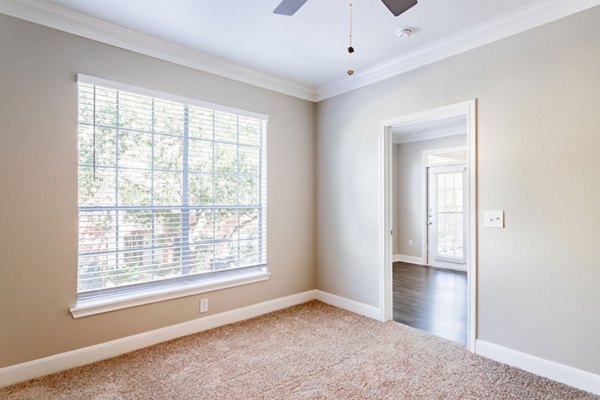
(396, 7)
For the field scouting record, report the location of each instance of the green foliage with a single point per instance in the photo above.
(142, 146)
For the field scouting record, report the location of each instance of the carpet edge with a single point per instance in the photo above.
(555, 371)
(86, 355)
(349, 305)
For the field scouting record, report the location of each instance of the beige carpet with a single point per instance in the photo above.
(311, 351)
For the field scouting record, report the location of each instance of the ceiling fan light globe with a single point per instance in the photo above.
(405, 33)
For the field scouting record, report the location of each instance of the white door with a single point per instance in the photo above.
(446, 216)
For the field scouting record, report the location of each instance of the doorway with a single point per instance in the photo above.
(445, 247)
(446, 213)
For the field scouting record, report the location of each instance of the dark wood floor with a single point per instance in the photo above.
(431, 299)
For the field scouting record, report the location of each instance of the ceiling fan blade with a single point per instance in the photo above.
(289, 7)
(397, 7)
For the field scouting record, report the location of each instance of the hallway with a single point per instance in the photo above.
(431, 299)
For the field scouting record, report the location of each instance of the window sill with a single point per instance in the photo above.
(121, 301)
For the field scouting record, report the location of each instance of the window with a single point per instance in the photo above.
(171, 191)
(450, 215)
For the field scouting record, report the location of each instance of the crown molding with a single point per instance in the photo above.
(63, 19)
(402, 138)
(533, 15)
(511, 23)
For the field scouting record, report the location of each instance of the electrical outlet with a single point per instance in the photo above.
(410, 242)
(493, 218)
(203, 305)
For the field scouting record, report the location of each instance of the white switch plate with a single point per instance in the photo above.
(493, 218)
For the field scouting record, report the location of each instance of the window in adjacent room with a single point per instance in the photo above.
(172, 192)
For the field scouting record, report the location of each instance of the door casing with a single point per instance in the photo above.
(468, 109)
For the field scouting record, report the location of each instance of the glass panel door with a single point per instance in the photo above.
(446, 214)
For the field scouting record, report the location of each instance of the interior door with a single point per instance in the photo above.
(446, 216)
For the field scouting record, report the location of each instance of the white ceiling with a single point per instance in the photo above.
(308, 48)
(302, 56)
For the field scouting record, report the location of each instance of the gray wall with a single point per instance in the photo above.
(38, 189)
(407, 174)
(539, 135)
(539, 139)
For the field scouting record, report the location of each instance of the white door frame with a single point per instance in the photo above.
(469, 109)
(426, 206)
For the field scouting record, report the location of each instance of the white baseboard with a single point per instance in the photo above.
(408, 259)
(448, 266)
(32, 369)
(349, 305)
(558, 372)
(75, 358)
(422, 261)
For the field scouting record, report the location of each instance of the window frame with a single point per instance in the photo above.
(109, 299)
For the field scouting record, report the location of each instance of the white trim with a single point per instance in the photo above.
(421, 261)
(424, 208)
(574, 377)
(107, 83)
(75, 358)
(59, 362)
(448, 266)
(349, 305)
(468, 108)
(66, 20)
(401, 138)
(447, 111)
(472, 206)
(386, 222)
(530, 16)
(408, 259)
(155, 295)
(426, 153)
(524, 18)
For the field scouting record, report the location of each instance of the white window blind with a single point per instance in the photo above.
(169, 191)
(450, 215)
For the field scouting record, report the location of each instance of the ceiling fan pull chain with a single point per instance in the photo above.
(350, 48)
